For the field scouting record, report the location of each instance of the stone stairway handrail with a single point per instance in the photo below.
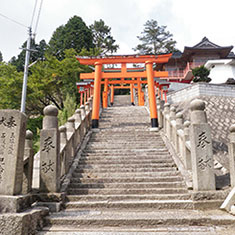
(186, 141)
(230, 200)
(68, 139)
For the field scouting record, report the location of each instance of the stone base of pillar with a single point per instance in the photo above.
(111, 104)
(53, 201)
(154, 129)
(95, 123)
(154, 122)
(27, 222)
(14, 204)
(133, 103)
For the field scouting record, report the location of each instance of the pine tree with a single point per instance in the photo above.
(74, 34)
(155, 39)
(102, 38)
(1, 58)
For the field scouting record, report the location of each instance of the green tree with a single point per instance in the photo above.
(51, 80)
(155, 39)
(201, 74)
(102, 38)
(74, 34)
(11, 86)
(1, 57)
(39, 54)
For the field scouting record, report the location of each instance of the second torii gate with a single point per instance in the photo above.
(148, 60)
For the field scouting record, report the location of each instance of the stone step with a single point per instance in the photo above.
(113, 144)
(124, 147)
(130, 137)
(124, 174)
(127, 170)
(112, 191)
(126, 161)
(129, 205)
(125, 151)
(138, 197)
(134, 155)
(127, 180)
(122, 141)
(131, 185)
(123, 132)
(125, 166)
(139, 219)
(176, 230)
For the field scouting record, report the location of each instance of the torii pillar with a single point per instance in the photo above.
(96, 96)
(151, 92)
(112, 95)
(132, 94)
(105, 93)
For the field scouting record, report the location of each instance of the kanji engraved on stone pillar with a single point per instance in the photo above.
(49, 151)
(12, 141)
(201, 148)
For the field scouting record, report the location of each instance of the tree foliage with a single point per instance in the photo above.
(1, 57)
(39, 54)
(74, 34)
(11, 85)
(102, 38)
(51, 80)
(201, 74)
(155, 39)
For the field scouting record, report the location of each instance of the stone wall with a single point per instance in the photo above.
(201, 89)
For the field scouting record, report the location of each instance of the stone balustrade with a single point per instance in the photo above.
(191, 141)
(55, 164)
(58, 147)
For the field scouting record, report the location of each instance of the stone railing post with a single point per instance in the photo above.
(70, 125)
(232, 154)
(63, 135)
(87, 109)
(201, 148)
(178, 126)
(90, 103)
(12, 139)
(78, 122)
(83, 112)
(50, 151)
(28, 163)
(186, 153)
(146, 96)
(172, 117)
(166, 112)
(159, 112)
(83, 115)
(64, 148)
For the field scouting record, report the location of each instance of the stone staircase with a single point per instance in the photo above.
(126, 182)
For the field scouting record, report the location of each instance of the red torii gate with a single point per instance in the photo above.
(148, 60)
(85, 91)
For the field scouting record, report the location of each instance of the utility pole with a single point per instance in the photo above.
(26, 68)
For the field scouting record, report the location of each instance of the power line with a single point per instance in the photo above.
(39, 12)
(34, 10)
(16, 22)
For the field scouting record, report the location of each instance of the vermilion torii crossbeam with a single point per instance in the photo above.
(126, 59)
(123, 75)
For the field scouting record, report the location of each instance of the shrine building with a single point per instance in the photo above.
(180, 65)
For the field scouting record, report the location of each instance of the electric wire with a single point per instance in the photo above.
(34, 10)
(16, 22)
(37, 21)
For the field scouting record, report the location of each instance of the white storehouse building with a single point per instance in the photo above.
(221, 70)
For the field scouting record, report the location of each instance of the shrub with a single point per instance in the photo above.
(201, 74)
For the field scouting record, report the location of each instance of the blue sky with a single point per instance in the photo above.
(188, 21)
